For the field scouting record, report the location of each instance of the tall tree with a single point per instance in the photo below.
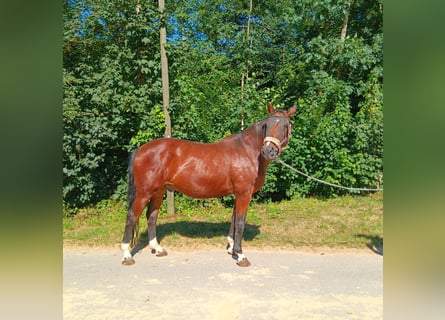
(165, 92)
(111, 74)
(344, 27)
(245, 72)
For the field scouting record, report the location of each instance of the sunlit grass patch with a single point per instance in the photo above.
(343, 222)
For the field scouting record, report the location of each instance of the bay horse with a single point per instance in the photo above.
(235, 165)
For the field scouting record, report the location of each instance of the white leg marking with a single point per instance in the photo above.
(241, 256)
(155, 245)
(230, 245)
(125, 247)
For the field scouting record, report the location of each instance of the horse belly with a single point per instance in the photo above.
(198, 186)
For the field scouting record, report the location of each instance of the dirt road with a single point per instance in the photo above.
(209, 285)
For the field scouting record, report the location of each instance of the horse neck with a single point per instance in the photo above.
(252, 138)
(262, 167)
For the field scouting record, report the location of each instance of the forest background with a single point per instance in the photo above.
(227, 59)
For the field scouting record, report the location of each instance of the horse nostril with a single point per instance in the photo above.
(269, 152)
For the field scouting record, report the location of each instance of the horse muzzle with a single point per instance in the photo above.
(271, 148)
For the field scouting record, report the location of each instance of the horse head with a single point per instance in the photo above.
(277, 129)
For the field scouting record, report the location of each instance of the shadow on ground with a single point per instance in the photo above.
(375, 243)
(204, 230)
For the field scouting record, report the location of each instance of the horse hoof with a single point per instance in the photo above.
(128, 261)
(243, 263)
(163, 253)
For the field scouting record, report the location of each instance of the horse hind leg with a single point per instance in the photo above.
(231, 235)
(133, 214)
(135, 207)
(152, 218)
(127, 259)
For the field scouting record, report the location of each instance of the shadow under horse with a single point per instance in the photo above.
(194, 230)
(235, 165)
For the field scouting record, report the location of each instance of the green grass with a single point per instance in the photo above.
(344, 222)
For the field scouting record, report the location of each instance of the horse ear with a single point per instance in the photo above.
(270, 108)
(291, 111)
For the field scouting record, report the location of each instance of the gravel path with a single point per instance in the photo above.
(209, 285)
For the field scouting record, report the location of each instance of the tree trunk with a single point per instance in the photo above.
(245, 73)
(165, 93)
(344, 28)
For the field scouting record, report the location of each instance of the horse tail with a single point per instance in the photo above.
(131, 186)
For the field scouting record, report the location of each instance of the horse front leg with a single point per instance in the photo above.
(241, 206)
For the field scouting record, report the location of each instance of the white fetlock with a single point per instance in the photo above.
(155, 246)
(125, 247)
(242, 260)
(127, 259)
(240, 257)
(230, 245)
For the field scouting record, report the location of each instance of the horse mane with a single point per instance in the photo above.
(246, 131)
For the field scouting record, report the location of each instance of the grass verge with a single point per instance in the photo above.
(344, 222)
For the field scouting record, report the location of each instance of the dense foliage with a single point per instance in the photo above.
(226, 61)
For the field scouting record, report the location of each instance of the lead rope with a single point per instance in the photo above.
(325, 182)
